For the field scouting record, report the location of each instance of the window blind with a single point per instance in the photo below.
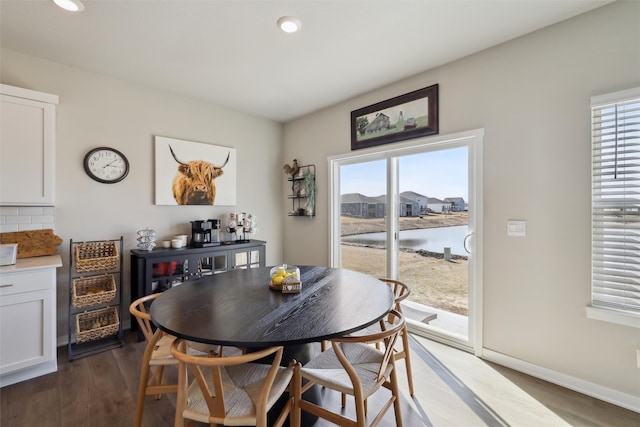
(616, 201)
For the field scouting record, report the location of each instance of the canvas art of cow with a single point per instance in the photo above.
(194, 182)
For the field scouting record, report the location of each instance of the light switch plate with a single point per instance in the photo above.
(516, 228)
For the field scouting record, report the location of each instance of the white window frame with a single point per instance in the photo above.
(474, 139)
(609, 259)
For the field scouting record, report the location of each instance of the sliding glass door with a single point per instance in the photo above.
(411, 213)
(363, 225)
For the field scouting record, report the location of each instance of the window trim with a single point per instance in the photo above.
(474, 140)
(612, 315)
(599, 312)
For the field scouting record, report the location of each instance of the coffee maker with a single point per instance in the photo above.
(205, 233)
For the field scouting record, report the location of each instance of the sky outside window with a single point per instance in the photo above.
(438, 174)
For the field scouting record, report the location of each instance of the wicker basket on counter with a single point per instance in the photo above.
(95, 256)
(96, 324)
(93, 290)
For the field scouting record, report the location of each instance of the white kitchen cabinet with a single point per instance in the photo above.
(28, 319)
(27, 147)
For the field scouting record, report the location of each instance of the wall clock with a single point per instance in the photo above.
(106, 165)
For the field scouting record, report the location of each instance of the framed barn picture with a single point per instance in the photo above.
(194, 173)
(412, 115)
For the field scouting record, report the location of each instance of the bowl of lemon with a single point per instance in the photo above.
(285, 278)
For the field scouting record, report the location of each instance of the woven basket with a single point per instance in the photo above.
(95, 256)
(93, 290)
(96, 324)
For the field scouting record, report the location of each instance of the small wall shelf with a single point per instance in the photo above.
(303, 192)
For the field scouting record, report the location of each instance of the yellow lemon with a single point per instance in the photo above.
(277, 280)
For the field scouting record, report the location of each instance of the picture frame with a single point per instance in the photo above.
(173, 187)
(408, 116)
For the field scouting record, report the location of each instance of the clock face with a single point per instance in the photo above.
(106, 165)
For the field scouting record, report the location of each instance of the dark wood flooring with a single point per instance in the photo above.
(453, 388)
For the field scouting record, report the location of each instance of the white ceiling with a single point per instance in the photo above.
(232, 54)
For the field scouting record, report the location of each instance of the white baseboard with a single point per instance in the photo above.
(614, 397)
(29, 373)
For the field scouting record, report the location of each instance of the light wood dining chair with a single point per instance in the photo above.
(354, 367)
(402, 352)
(231, 390)
(400, 292)
(157, 355)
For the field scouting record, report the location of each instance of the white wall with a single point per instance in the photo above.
(94, 111)
(531, 95)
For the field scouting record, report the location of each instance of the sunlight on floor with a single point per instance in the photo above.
(475, 392)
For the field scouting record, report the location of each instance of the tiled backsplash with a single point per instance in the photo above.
(22, 218)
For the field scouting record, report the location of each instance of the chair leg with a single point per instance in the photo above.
(407, 359)
(344, 402)
(160, 377)
(361, 412)
(142, 392)
(181, 398)
(394, 391)
(296, 387)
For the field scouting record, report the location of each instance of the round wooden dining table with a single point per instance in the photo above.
(237, 308)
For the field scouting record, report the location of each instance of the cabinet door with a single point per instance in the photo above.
(248, 258)
(26, 330)
(169, 271)
(216, 262)
(27, 152)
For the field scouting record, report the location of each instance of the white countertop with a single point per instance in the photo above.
(33, 263)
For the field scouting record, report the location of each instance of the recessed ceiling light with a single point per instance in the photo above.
(289, 24)
(70, 5)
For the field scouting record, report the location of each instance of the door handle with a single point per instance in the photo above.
(466, 240)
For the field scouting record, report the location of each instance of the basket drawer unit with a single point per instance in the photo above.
(95, 297)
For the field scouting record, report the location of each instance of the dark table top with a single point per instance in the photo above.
(237, 308)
